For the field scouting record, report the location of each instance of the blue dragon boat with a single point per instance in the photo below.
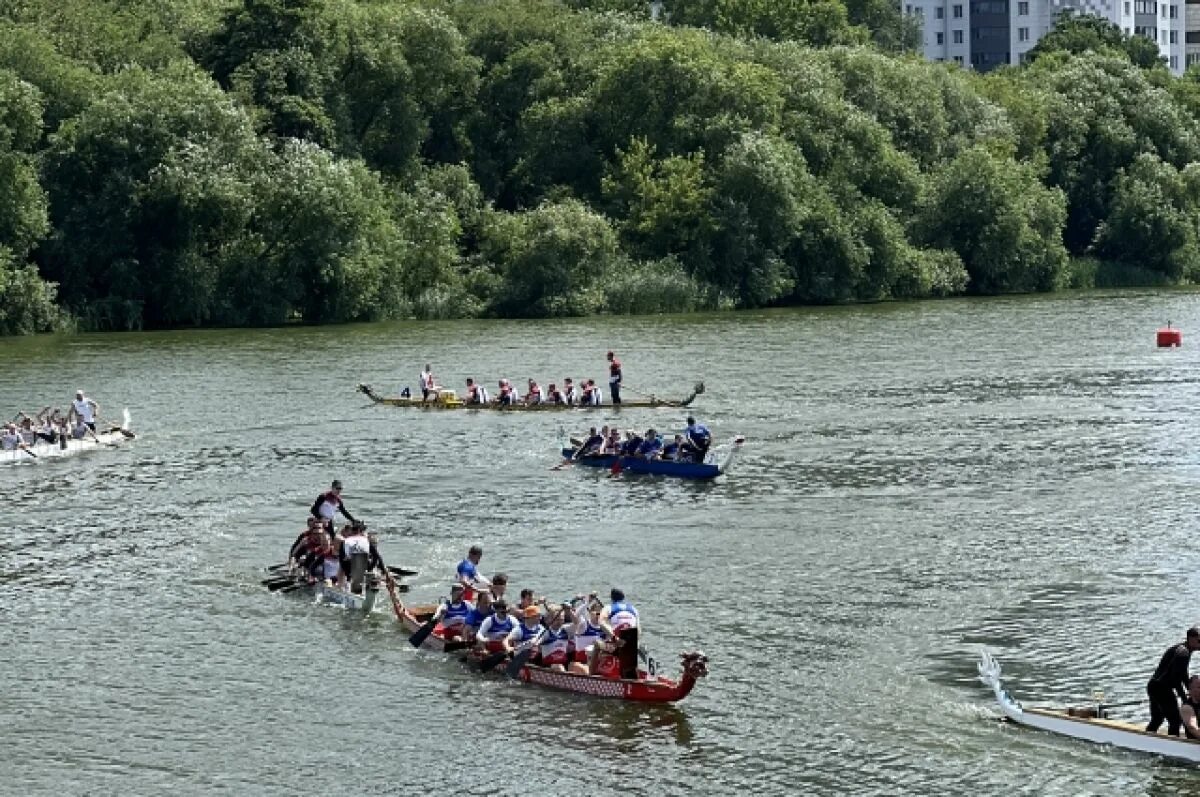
(711, 468)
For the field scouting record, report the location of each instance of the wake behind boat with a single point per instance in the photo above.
(1088, 723)
(66, 445)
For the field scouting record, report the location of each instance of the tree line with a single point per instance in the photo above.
(253, 162)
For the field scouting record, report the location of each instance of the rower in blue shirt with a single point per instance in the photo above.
(593, 444)
(671, 450)
(651, 447)
(698, 439)
(467, 573)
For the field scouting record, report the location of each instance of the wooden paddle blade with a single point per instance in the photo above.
(519, 661)
(421, 634)
(402, 572)
(281, 580)
(451, 647)
(489, 662)
(295, 585)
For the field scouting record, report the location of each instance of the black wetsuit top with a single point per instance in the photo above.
(1172, 672)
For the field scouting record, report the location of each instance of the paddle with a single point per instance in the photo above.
(490, 661)
(27, 451)
(421, 634)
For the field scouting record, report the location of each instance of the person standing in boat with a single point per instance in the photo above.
(614, 378)
(697, 440)
(329, 504)
(620, 622)
(467, 573)
(1171, 679)
(429, 386)
(85, 409)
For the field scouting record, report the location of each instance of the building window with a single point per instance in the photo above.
(939, 12)
(1164, 11)
(1193, 58)
(1174, 62)
(1022, 34)
(941, 38)
(1192, 37)
(1149, 33)
(1127, 9)
(1145, 7)
(958, 60)
(1174, 11)
(1174, 38)
(908, 9)
(957, 11)
(957, 39)
(1023, 8)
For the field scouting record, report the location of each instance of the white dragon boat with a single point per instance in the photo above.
(40, 450)
(1088, 723)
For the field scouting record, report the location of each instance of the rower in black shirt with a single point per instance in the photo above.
(329, 504)
(1169, 680)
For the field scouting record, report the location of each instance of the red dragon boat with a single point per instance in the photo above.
(646, 688)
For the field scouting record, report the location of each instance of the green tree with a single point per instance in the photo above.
(1004, 224)
(1083, 33)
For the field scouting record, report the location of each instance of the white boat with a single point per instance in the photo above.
(1088, 723)
(69, 448)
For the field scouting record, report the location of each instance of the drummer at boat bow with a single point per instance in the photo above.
(1171, 679)
(330, 503)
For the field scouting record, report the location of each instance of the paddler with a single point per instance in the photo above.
(454, 614)
(507, 395)
(554, 395)
(535, 394)
(1171, 679)
(620, 622)
(570, 395)
(593, 444)
(301, 546)
(356, 548)
(499, 586)
(671, 450)
(614, 378)
(586, 634)
(531, 626)
(467, 573)
(328, 504)
(498, 632)
(11, 440)
(553, 649)
(482, 611)
(476, 394)
(651, 447)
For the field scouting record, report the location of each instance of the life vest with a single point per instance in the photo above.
(483, 394)
(528, 633)
(587, 636)
(535, 395)
(553, 649)
(356, 543)
(622, 615)
(456, 614)
(499, 630)
(614, 371)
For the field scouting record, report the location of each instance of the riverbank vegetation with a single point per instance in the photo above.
(252, 162)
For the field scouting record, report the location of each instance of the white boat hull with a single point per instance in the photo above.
(1125, 735)
(42, 450)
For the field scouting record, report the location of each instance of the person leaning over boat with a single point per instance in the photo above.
(467, 573)
(1170, 679)
(620, 622)
(329, 504)
(614, 378)
(498, 631)
(357, 549)
(697, 440)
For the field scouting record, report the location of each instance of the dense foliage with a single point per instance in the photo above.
(247, 162)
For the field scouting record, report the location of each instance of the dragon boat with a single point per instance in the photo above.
(648, 687)
(40, 450)
(449, 400)
(280, 580)
(710, 468)
(1088, 723)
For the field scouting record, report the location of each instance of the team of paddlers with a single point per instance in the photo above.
(585, 393)
(581, 635)
(51, 425)
(690, 446)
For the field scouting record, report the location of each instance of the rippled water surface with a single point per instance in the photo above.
(919, 481)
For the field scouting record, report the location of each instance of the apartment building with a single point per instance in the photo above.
(985, 34)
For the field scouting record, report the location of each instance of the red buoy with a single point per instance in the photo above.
(1168, 337)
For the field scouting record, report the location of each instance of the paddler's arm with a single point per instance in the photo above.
(315, 511)
(345, 512)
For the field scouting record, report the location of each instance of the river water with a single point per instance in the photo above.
(919, 481)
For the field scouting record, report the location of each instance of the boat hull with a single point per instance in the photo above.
(43, 450)
(1125, 735)
(458, 404)
(657, 467)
